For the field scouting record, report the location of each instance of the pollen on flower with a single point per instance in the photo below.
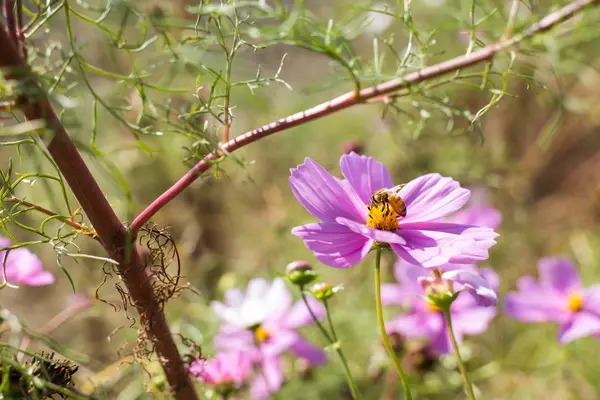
(575, 302)
(382, 217)
(261, 335)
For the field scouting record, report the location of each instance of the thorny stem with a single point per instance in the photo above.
(461, 365)
(381, 323)
(115, 238)
(350, 99)
(333, 341)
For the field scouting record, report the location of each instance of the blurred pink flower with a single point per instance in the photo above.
(23, 267)
(227, 371)
(557, 297)
(263, 321)
(470, 314)
(349, 228)
(478, 212)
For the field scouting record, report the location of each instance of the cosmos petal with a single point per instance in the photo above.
(365, 174)
(299, 315)
(473, 321)
(559, 274)
(475, 284)
(488, 217)
(334, 244)
(322, 195)
(431, 197)
(309, 352)
(533, 303)
(580, 325)
(461, 244)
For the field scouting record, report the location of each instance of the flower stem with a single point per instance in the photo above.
(314, 318)
(461, 365)
(333, 341)
(338, 348)
(384, 336)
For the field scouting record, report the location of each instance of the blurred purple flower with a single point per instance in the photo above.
(423, 320)
(478, 213)
(557, 297)
(349, 228)
(263, 321)
(226, 372)
(23, 267)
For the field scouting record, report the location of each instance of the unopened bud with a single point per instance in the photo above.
(300, 272)
(352, 146)
(438, 291)
(322, 290)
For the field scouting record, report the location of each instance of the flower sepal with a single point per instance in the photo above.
(442, 301)
(380, 246)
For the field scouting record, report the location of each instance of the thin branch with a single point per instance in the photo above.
(115, 238)
(512, 19)
(351, 99)
(69, 221)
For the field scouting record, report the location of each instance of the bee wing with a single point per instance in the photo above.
(397, 188)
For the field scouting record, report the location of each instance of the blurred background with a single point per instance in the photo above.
(142, 94)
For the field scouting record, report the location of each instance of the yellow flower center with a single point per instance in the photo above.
(382, 217)
(261, 335)
(575, 302)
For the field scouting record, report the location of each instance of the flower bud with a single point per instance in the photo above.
(353, 146)
(322, 290)
(300, 272)
(438, 291)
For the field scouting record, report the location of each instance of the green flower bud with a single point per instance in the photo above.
(322, 290)
(300, 273)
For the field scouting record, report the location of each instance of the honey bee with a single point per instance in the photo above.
(391, 197)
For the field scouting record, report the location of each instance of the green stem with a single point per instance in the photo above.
(338, 348)
(461, 365)
(314, 318)
(384, 336)
(333, 341)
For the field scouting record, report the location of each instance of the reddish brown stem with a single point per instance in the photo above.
(351, 99)
(113, 235)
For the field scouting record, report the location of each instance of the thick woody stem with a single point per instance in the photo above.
(351, 99)
(114, 236)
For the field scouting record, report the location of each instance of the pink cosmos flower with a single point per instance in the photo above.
(349, 227)
(23, 267)
(227, 371)
(557, 297)
(263, 321)
(425, 321)
(478, 211)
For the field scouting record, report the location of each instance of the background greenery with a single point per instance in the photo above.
(537, 151)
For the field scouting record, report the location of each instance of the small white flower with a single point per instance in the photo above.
(261, 301)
